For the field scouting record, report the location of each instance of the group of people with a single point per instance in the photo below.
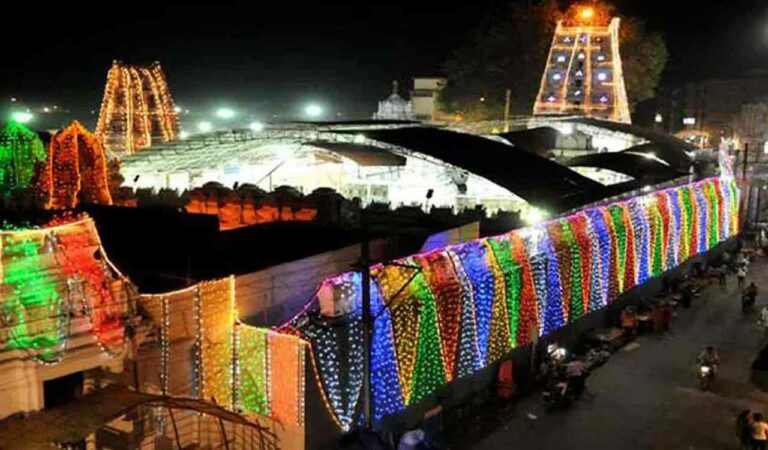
(660, 314)
(752, 430)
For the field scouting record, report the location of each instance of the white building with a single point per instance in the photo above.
(424, 97)
(394, 107)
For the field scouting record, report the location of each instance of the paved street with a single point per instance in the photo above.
(648, 398)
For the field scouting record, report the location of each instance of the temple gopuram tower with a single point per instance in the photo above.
(137, 109)
(583, 75)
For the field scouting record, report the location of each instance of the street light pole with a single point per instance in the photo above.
(367, 318)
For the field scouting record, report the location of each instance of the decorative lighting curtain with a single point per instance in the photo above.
(448, 313)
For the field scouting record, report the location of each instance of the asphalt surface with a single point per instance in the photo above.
(647, 397)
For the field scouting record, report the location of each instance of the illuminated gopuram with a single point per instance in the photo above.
(137, 109)
(583, 75)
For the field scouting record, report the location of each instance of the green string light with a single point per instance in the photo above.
(429, 373)
(21, 150)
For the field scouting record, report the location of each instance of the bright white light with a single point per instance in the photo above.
(689, 121)
(658, 118)
(359, 139)
(556, 76)
(650, 155)
(256, 126)
(534, 215)
(313, 110)
(765, 148)
(177, 109)
(602, 76)
(204, 126)
(566, 129)
(225, 113)
(183, 134)
(13, 99)
(22, 116)
(561, 58)
(46, 109)
(646, 188)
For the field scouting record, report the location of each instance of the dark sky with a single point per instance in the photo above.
(275, 56)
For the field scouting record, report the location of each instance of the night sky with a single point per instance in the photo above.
(271, 58)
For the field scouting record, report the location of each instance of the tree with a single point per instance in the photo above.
(509, 51)
(644, 56)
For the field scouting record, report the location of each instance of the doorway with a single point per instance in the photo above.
(63, 390)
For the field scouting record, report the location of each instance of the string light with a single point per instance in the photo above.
(467, 305)
(604, 95)
(137, 108)
(21, 151)
(76, 167)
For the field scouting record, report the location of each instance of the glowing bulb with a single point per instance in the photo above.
(587, 13)
(22, 116)
(602, 76)
(177, 109)
(204, 126)
(534, 216)
(256, 126)
(225, 113)
(46, 109)
(313, 110)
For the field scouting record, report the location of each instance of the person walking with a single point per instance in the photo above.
(759, 432)
(744, 430)
(741, 275)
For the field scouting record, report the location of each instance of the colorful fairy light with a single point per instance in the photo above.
(448, 313)
(76, 167)
(136, 102)
(50, 275)
(21, 153)
(217, 309)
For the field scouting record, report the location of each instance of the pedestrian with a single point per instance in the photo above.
(629, 321)
(744, 429)
(759, 432)
(741, 275)
(576, 372)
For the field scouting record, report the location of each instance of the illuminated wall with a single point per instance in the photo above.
(137, 109)
(21, 151)
(450, 312)
(76, 167)
(49, 277)
(583, 74)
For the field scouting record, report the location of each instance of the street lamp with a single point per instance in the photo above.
(313, 110)
(256, 126)
(534, 216)
(204, 126)
(22, 116)
(225, 113)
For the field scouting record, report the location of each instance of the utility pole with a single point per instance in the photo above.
(506, 110)
(367, 318)
(744, 216)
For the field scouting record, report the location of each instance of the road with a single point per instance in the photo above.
(647, 397)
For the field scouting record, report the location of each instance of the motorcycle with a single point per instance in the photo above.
(706, 374)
